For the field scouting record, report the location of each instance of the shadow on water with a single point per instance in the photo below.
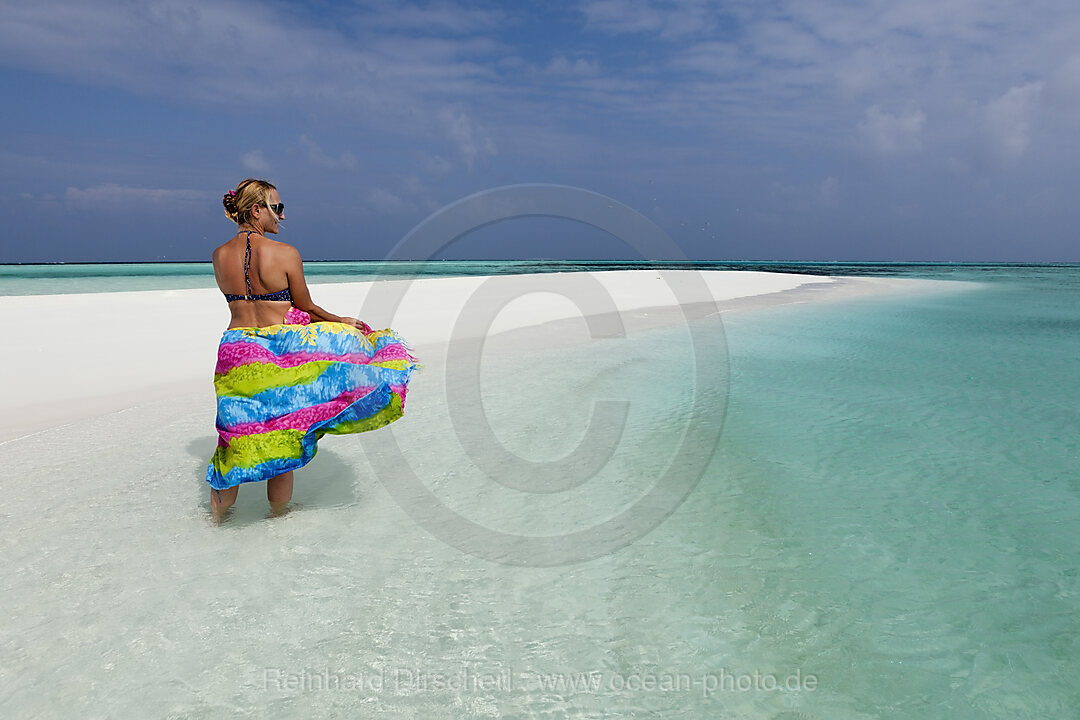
(328, 481)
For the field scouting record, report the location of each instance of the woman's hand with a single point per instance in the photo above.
(358, 324)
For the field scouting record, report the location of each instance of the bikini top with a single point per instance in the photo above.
(279, 295)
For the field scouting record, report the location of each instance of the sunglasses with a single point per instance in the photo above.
(276, 208)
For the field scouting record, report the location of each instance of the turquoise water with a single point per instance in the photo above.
(912, 465)
(887, 529)
(119, 277)
(122, 277)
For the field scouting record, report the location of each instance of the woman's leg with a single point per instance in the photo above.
(222, 500)
(279, 492)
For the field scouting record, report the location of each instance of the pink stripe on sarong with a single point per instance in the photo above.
(396, 351)
(300, 420)
(234, 354)
(305, 418)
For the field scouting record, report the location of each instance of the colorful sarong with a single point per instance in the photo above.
(280, 388)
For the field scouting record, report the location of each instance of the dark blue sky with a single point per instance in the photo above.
(771, 129)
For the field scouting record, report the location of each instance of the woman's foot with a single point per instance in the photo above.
(279, 509)
(279, 493)
(221, 501)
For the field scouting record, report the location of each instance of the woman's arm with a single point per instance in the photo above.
(301, 297)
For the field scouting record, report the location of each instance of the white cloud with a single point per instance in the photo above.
(1009, 118)
(828, 190)
(668, 19)
(711, 57)
(395, 64)
(386, 202)
(779, 80)
(188, 51)
(437, 165)
(254, 161)
(1067, 77)
(402, 195)
(46, 202)
(786, 42)
(315, 155)
(886, 135)
(622, 16)
(561, 65)
(471, 142)
(134, 199)
(435, 18)
(413, 186)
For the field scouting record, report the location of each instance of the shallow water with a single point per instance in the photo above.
(917, 459)
(886, 530)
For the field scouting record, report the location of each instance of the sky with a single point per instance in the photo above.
(940, 130)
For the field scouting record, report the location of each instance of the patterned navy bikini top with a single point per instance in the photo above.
(279, 295)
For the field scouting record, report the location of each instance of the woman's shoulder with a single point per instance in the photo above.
(231, 242)
(220, 249)
(283, 249)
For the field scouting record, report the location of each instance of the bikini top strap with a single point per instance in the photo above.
(247, 263)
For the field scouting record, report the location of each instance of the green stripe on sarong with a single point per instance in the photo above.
(246, 451)
(253, 378)
(387, 415)
(394, 364)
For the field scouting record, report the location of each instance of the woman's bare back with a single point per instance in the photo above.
(266, 273)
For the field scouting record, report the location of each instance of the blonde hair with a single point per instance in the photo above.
(248, 193)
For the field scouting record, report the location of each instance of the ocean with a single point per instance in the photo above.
(877, 518)
(62, 278)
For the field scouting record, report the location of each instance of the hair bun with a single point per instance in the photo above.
(246, 195)
(229, 201)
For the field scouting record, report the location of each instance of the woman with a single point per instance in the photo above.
(283, 382)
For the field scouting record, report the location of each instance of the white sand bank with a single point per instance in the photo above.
(86, 355)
